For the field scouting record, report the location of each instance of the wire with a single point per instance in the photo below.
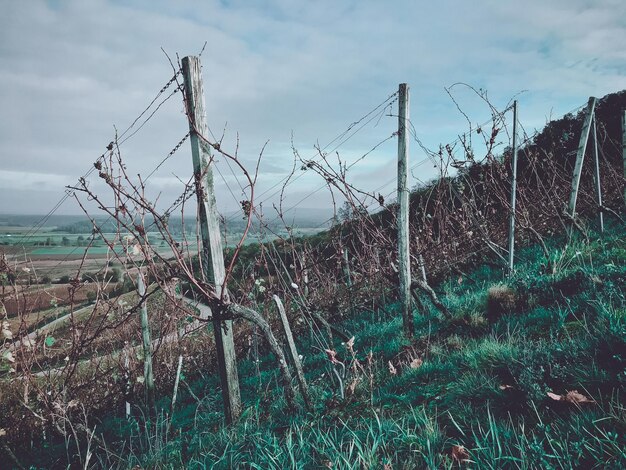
(384, 105)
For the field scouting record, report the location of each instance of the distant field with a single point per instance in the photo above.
(66, 250)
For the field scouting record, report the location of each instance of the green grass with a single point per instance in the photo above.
(483, 383)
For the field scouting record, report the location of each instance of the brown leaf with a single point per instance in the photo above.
(555, 397)
(459, 454)
(392, 369)
(577, 398)
(352, 386)
(350, 343)
(416, 363)
(573, 396)
(506, 387)
(332, 356)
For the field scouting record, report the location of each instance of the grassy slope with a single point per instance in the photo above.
(480, 380)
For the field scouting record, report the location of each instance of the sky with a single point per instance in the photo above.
(277, 74)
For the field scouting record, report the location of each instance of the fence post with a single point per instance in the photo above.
(422, 268)
(580, 156)
(404, 263)
(624, 150)
(212, 254)
(147, 344)
(128, 384)
(597, 174)
(513, 193)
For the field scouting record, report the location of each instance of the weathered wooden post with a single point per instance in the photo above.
(580, 156)
(597, 174)
(346, 268)
(147, 344)
(293, 352)
(404, 263)
(513, 192)
(422, 268)
(624, 150)
(305, 275)
(212, 256)
(128, 383)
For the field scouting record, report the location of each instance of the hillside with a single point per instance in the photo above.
(527, 373)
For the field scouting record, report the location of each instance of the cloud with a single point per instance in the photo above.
(70, 71)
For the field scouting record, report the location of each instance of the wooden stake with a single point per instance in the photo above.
(403, 212)
(624, 150)
(293, 352)
(597, 174)
(176, 382)
(513, 193)
(580, 156)
(147, 345)
(422, 267)
(212, 254)
(127, 364)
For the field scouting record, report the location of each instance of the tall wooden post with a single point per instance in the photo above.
(404, 263)
(147, 345)
(624, 150)
(580, 156)
(513, 192)
(212, 254)
(597, 174)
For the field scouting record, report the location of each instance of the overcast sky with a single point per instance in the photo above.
(72, 70)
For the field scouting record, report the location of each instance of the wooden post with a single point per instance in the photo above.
(212, 254)
(176, 382)
(597, 174)
(346, 268)
(422, 268)
(293, 352)
(580, 156)
(624, 150)
(128, 385)
(147, 345)
(513, 192)
(403, 212)
(305, 275)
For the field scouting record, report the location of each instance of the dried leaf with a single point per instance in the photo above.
(416, 363)
(9, 356)
(3, 432)
(577, 398)
(332, 356)
(506, 387)
(392, 369)
(352, 386)
(555, 397)
(573, 396)
(350, 343)
(459, 454)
